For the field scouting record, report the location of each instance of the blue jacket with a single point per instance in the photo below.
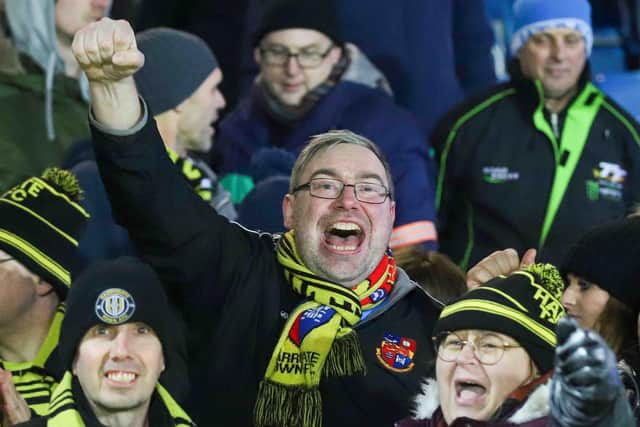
(433, 52)
(363, 110)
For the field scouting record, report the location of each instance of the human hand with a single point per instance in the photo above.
(14, 408)
(106, 51)
(499, 263)
(586, 381)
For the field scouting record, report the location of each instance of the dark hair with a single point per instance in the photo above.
(617, 324)
(436, 273)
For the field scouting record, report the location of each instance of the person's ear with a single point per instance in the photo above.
(256, 55)
(335, 54)
(43, 288)
(287, 210)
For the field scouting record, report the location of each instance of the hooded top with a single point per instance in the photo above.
(33, 30)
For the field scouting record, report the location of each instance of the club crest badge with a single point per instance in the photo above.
(396, 353)
(115, 306)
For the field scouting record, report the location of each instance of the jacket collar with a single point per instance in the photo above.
(536, 405)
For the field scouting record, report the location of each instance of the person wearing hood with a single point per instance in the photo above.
(43, 97)
(310, 82)
(508, 357)
(548, 135)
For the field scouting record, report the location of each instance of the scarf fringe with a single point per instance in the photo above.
(283, 406)
(345, 357)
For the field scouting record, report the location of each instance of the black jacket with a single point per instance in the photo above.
(234, 297)
(510, 178)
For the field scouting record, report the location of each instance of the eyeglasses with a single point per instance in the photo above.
(279, 55)
(488, 348)
(3, 260)
(326, 188)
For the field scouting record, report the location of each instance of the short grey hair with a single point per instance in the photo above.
(324, 141)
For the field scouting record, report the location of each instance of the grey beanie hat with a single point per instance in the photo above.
(176, 64)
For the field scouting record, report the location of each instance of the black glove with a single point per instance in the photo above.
(586, 382)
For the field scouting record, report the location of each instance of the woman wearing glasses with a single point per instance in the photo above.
(496, 347)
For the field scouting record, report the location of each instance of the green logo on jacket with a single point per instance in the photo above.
(499, 174)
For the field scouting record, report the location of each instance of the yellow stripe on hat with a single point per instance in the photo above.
(43, 220)
(37, 256)
(544, 333)
(503, 294)
(63, 195)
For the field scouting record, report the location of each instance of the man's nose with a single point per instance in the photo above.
(559, 50)
(292, 66)
(121, 345)
(348, 198)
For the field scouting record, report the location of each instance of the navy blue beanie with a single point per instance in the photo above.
(176, 64)
(114, 292)
(318, 15)
(534, 16)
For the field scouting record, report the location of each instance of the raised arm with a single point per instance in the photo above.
(106, 51)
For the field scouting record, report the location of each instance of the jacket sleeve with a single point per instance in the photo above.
(174, 230)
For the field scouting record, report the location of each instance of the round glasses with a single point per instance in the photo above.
(327, 188)
(279, 55)
(487, 348)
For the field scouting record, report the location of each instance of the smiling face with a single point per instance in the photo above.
(341, 239)
(556, 57)
(289, 82)
(198, 113)
(584, 301)
(473, 390)
(118, 367)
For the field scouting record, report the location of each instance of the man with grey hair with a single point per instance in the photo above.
(308, 328)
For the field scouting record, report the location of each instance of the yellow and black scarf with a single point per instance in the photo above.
(63, 412)
(317, 340)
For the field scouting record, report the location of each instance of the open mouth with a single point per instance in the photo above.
(344, 236)
(121, 377)
(469, 392)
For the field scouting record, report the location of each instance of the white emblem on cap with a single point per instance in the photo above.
(115, 306)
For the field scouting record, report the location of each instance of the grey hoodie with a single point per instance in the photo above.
(33, 30)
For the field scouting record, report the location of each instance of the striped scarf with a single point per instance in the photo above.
(317, 340)
(63, 410)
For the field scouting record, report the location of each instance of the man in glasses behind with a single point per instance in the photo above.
(506, 357)
(310, 82)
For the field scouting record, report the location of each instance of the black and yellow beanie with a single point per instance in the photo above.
(125, 290)
(524, 305)
(40, 223)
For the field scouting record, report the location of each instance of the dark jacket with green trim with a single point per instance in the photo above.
(233, 294)
(513, 175)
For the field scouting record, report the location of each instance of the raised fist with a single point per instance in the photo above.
(586, 381)
(106, 51)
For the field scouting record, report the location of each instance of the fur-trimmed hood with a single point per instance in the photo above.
(536, 406)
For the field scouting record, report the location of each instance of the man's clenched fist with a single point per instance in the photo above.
(106, 51)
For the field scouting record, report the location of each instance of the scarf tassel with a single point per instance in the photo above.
(283, 406)
(345, 357)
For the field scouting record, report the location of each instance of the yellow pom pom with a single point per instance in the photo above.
(549, 278)
(64, 180)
